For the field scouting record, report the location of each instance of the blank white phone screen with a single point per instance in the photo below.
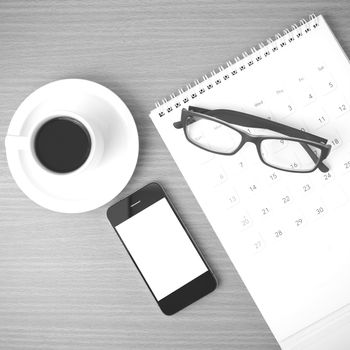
(161, 249)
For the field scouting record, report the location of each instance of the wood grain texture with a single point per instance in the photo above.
(65, 280)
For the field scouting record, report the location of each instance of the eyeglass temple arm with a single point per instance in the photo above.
(323, 167)
(244, 119)
(248, 120)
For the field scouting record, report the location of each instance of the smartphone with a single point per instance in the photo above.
(161, 248)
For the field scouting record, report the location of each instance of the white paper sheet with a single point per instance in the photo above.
(287, 234)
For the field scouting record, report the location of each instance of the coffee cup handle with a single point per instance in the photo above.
(17, 142)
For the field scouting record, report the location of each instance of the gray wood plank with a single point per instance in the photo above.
(66, 281)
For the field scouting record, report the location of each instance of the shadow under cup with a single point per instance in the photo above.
(62, 144)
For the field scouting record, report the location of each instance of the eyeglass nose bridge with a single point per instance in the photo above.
(248, 137)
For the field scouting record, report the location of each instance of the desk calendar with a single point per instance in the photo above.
(286, 233)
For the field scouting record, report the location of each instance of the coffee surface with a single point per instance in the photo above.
(62, 144)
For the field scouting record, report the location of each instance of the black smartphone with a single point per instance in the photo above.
(161, 248)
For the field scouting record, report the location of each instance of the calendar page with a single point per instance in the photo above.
(286, 233)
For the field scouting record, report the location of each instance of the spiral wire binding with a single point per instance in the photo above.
(255, 55)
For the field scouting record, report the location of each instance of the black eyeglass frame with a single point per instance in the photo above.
(228, 117)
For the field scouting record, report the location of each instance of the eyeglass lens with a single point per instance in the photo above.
(211, 135)
(290, 155)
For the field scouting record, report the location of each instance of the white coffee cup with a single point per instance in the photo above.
(26, 143)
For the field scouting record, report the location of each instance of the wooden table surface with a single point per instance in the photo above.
(66, 282)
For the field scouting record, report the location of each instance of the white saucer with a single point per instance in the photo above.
(94, 187)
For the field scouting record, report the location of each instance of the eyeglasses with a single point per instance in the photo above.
(216, 131)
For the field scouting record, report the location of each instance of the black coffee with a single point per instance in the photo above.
(62, 144)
